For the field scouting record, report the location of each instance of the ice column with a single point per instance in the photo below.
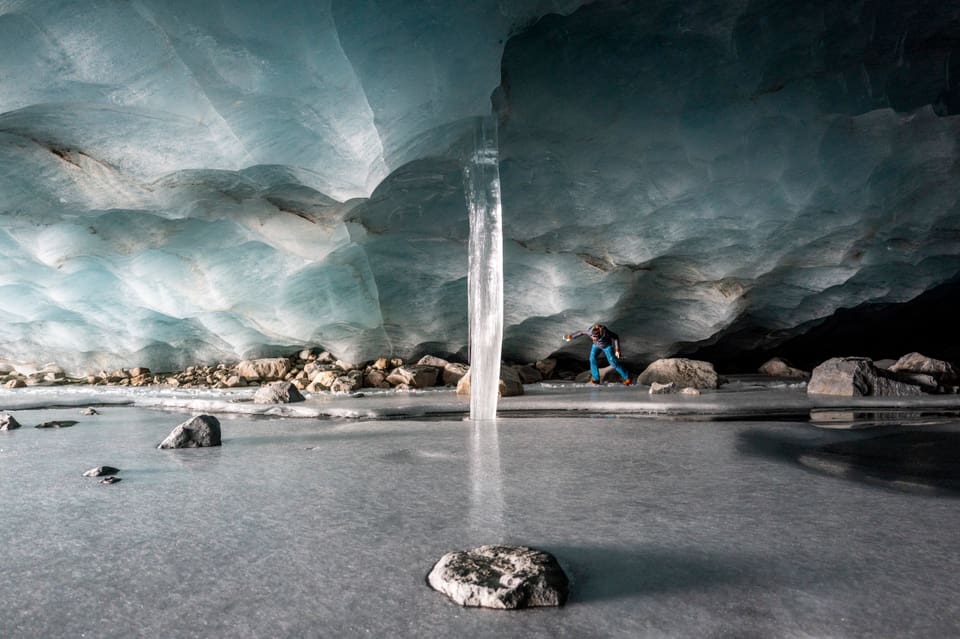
(485, 273)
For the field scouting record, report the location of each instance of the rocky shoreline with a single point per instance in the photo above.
(312, 370)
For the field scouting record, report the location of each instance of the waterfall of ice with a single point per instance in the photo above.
(485, 274)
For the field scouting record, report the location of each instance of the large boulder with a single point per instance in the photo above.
(777, 367)
(278, 393)
(917, 368)
(503, 577)
(198, 432)
(266, 369)
(681, 372)
(854, 377)
(413, 376)
(509, 386)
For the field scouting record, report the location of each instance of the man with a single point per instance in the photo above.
(607, 341)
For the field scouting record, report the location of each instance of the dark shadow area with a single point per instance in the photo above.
(925, 324)
(599, 573)
(924, 461)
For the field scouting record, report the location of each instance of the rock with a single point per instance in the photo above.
(266, 369)
(856, 376)
(414, 376)
(139, 371)
(680, 371)
(381, 364)
(349, 383)
(278, 393)
(453, 373)
(8, 422)
(913, 367)
(376, 378)
(234, 381)
(324, 379)
(528, 374)
(57, 423)
(509, 386)
(15, 383)
(502, 577)
(777, 367)
(430, 360)
(90, 410)
(689, 390)
(547, 367)
(110, 480)
(198, 432)
(101, 471)
(656, 388)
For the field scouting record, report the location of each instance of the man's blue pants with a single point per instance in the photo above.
(611, 357)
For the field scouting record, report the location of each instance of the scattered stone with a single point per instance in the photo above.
(453, 373)
(547, 367)
(509, 386)
(8, 422)
(265, 369)
(656, 388)
(101, 471)
(502, 577)
(349, 383)
(856, 376)
(689, 390)
(414, 376)
(197, 432)
(376, 378)
(110, 480)
(90, 410)
(430, 360)
(57, 423)
(777, 367)
(915, 367)
(680, 371)
(15, 383)
(278, 393)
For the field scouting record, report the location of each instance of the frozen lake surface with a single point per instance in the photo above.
(669, 521)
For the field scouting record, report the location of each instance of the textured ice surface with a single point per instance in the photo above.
(194, 181)
(304, 527)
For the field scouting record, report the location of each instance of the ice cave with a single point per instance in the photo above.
(188, 185)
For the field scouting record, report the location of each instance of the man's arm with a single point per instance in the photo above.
(574, 335)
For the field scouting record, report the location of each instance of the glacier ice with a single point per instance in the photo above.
(185, 182)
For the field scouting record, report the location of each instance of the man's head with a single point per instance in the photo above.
(596, 330)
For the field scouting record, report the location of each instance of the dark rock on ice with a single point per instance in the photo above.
(8, 422)
(198, 432)
(110, 480)
(101, 471)
(90, 411)
(503, 577)
(57, 423)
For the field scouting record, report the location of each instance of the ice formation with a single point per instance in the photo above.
(188, 182)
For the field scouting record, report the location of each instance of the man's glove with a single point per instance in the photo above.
(617, 354)
(567, 338)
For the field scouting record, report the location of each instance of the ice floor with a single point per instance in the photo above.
(670, 524)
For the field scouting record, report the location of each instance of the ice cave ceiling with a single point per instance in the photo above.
(185, 182)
